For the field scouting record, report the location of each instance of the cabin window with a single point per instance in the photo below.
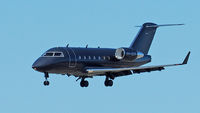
(104, 57)
(84, 57)
(108, 58)
(94, 57)
(79, 57)
(89, 57)
(99, 58)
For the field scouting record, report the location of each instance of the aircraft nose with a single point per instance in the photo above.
(38, 65)
(35, 66)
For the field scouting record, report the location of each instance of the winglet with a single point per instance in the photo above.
(186, 58)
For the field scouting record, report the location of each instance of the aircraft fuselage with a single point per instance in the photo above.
(74, 60)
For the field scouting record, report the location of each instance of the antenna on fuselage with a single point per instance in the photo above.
(86, 46)
(67, 45)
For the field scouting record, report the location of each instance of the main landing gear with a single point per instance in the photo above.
(46, 75)
(84, 83)
(108, 82)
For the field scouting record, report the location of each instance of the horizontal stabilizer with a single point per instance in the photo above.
(162, 25)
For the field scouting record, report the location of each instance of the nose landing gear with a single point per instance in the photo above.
(46, 75)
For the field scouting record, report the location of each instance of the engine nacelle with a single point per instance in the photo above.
(127, 54)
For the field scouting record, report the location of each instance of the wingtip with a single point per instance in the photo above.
(186, 58)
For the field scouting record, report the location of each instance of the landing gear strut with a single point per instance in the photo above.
(46, 75)
(108, 82)
(84, 83)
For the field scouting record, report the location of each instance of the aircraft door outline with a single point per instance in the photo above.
(73, 59)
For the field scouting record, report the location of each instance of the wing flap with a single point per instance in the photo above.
(148, 70)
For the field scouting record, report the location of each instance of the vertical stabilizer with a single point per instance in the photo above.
(144, 38)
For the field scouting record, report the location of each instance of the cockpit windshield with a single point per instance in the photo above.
(53, 54)
(48, 54)
(57, 54)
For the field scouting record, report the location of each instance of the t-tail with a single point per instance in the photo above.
(145, 37)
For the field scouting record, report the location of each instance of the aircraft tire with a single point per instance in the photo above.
(82, 84)
(86, 83)
(46, 83)
(106, 83)
(110, 83)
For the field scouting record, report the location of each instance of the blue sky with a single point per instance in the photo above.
(28, 28)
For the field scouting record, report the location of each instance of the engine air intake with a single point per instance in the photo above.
(127, 54)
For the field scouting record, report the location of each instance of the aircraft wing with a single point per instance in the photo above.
(93, 70)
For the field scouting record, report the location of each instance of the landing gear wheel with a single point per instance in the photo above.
(84, 83)
(46, 83)
(108, 83)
